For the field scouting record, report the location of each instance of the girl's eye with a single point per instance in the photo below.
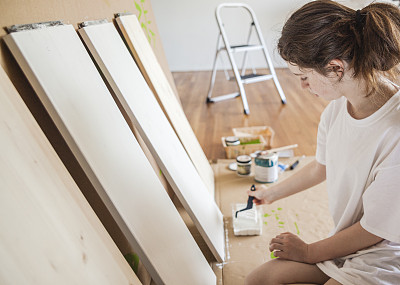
(303, 78)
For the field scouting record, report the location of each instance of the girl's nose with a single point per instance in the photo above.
(304, 82)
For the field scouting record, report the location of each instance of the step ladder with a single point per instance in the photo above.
(241, 78)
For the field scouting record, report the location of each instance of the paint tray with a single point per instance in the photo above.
(248, 223)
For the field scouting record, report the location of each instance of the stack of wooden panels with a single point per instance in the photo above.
(67, 82)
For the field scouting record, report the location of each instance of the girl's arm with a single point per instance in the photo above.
(308, 176)
(350, 240)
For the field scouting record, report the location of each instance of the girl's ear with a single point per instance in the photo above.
(336, 66)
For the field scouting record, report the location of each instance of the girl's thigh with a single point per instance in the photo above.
(279, 271)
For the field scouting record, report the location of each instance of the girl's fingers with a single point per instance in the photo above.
(276, 240)
(275, 246)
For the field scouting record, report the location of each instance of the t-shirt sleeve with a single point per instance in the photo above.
(381, 200)
(321, 139)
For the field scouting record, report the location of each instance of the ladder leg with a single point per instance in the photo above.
(239, 83)
(214, 71)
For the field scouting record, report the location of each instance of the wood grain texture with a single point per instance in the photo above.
(293, 123)
(49, 233)
(70, 87)
(133, 93)
(156, 79)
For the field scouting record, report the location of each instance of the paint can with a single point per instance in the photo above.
(266, 168)
(230, 141)
(243, 165)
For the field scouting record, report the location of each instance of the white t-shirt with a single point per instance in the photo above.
(362, 159)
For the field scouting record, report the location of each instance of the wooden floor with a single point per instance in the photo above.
(293, 123)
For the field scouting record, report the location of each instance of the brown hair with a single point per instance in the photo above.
(368, 39)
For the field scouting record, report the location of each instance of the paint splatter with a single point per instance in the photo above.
(276, 217)
(272, 255)
(279, 209)
(265, 223)
(266, 215)
(282, 223)
(297, 228)
(142, 17)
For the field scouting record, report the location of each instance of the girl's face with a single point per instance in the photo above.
(316, 83)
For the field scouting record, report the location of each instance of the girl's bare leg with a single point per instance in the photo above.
(279, 271)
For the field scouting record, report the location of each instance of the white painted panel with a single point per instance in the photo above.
(67, 82)
(146, 59)
(124, 77)
(49, 233)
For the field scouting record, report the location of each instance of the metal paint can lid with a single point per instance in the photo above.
(232, 141)
(243, 159)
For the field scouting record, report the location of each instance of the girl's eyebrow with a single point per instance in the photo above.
(298, 74)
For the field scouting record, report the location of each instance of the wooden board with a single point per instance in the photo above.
(70, 87)
(129, 86)
(49, 233)
(152, 70)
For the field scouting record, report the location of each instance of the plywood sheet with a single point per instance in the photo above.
(70, 87)
(305, 214)
(152, 70)
(49, 233)
(125, 79)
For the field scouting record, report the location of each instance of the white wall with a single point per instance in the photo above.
(189, 31)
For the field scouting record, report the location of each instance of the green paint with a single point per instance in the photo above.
(142, 18)
(297, 228)
(280, 227)
(256, 141)
(266, 215)
(273, 211)
(265, 223)
(276, 217)
(279, 209)
(160, 173)
(282, 223)
(272, 255)
(133, 261)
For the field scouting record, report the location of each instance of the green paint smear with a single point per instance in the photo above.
(273, 211)
(266, 223)
(133, 261)
(280, 227)
(279, 209)
(266, 215)
(297, 228)
(276, 217)
(272, 255)
(256, 141)
(282, 223)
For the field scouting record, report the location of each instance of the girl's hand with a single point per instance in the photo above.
(262, 195)
(291, 247)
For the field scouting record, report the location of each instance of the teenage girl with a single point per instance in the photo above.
(350, 58)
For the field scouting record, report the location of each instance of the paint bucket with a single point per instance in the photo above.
(243, 165)
(266, 168)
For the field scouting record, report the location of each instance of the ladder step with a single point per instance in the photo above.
(241, 48)
(252, 78)
(223, 97)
